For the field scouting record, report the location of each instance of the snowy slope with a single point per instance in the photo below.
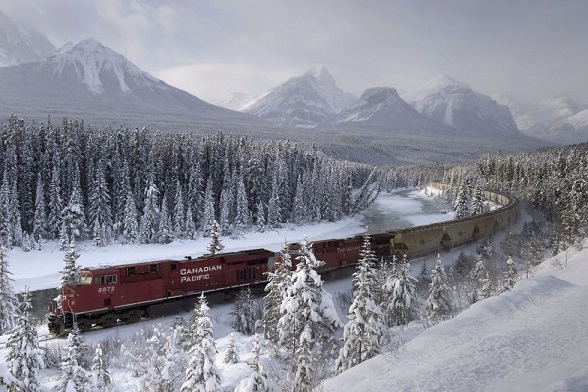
(92, 81)
(448, 101)
(382, 108)
(20, 44)
(302, 101)
(531, 339)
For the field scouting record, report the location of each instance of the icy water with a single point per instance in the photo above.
(391, 211)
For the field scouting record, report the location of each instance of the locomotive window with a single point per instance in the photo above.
(131, 271)
(108, 279)
(85, 279)
(153, 268)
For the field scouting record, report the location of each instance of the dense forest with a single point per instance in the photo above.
(72, 182)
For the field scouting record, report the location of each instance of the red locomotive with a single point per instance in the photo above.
(103, 296)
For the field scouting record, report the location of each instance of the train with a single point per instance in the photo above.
(106, 296)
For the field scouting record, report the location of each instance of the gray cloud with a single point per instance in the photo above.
(533, 49)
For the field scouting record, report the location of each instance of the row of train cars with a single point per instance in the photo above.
(106, 296)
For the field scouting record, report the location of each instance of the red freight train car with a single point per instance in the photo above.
(103, 296)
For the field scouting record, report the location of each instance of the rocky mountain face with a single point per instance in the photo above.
(302, 101)
(559, 120)
(20, 44)
(382, 108)
(236, 100)
(445, 100)
(92, 81)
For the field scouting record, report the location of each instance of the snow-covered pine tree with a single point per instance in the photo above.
(190, 225)
(149, 228)
(179, 214)
(55, 202)
(40, 217)
(214, 244)
(100, 375)
(478, 201)
(463, 201)
(510, 276)
(209, 209)
(260, 217)
(155, 361)
(166, 235)
(99, 210)
(8, 300)
(243, 313)
(243, 217)
(70, 273)
(73, 223)
(487, 286)
(439, 303)
(363, 335)
(257, 382)
(74, 377)
(276, 288)
(25, 357)
(231, 354)
(202, 374)
(274, 210)
(309, 318)
(403, 294)
(130, 229)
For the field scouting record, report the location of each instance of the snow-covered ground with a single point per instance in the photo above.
(40, 269)
(533, 338)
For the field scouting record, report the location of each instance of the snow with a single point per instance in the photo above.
(40, 269)
(434, 86)
(532, 338)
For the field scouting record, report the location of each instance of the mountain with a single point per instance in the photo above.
(382, 108)
(236, 100)
(560, 119)
(448, 101)
(94, 82)
(302, 101)
(20, 44)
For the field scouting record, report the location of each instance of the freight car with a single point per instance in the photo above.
(107, 295)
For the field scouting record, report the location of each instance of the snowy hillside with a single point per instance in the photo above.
(100, 85)
(530, 339)
(236, 100)
(448, 101)
(20, 44)
(302, 101)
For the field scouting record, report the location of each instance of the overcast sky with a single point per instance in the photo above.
(531, 49)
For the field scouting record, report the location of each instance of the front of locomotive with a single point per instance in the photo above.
(62, 309)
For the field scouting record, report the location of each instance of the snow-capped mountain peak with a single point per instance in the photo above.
(435, 85)
(20, 44)
(97, 66)
(302, 101)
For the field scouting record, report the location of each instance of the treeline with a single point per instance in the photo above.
(132, 186)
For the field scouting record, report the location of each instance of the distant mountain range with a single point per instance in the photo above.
(559, 120)
(20, 44)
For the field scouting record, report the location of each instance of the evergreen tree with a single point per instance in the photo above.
(260, 218)
(276, 288)
(478, 201)
(73, 376)
(70, 273)
(363, 334)
(231, 355)
(25, 356)
(309, 318)
(149, 228)
(8, 300)
(166, 235)
(130, 224)
(55, 203)
(202, 374)
(72, 226)
(209, 210)
(403, 293)
(214, 245)
(99, 210)
(243, 216)
(487, 287)
(243, 313)
(40, 217)
(257, 382)
(179, 216)
(510, 276)
(439, 303)
(274, 211)
(463, 201)
(100, 375)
